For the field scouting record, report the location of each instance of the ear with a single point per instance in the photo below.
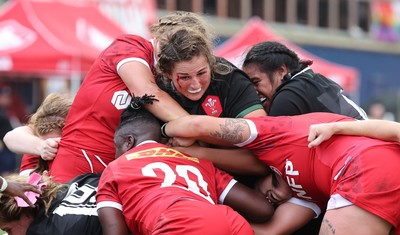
(282, 71)
(130, 143)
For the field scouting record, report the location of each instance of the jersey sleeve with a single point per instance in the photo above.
(28, 164)
(135, 48)
(224, 183)
(107, 195)
(242, 97)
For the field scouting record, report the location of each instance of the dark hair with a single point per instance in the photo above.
(271, 55)
(145, 122)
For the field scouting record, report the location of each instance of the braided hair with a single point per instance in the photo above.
(137, 121)
(50, 115)
(182, 18)
(271, 55)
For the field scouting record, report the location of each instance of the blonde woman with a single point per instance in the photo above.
(44, 128)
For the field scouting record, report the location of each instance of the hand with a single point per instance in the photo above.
(319, 133)
(48, 149)
(181, 142)
(192, 150)
(19, 189)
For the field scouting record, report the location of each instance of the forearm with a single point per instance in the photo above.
(191, 126)
(239, 161)
(218, 131)
(21, 140)
(379, 129)
(140, 81)
(166, 108)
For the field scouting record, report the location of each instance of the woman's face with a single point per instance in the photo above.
(17, 227)
(264, 85)
(192, 78)
(274, 188)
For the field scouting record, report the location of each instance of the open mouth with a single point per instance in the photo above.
(194, 91)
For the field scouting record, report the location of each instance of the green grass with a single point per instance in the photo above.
(1, 232)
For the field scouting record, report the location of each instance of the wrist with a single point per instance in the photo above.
(4, 185)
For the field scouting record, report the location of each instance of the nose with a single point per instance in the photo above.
(195, 83)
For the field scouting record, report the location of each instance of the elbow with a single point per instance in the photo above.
(7, 139)
(262, 213)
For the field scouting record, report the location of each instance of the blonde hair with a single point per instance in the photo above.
(10, 211)
(182, 18)
(50, 115)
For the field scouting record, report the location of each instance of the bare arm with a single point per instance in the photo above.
(112, 221)
(240, 161)
(251, 204)
(140, 81)
(21, 140)
(379, 129)
(18, 189)
(287, 218)
(219, 131)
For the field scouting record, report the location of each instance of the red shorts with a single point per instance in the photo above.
(371, 181)
(199, 218)
(71, 162)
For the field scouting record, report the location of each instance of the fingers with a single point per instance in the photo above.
(29, 187)
(312, 134)
(315, 143)
(50, 149)
(25, 198)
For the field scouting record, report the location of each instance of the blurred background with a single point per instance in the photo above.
(48, 46)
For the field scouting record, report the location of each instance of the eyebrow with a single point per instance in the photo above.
(200, 70)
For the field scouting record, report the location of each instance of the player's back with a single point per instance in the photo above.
(151, 177)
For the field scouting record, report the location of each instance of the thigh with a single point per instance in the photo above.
(353, 220)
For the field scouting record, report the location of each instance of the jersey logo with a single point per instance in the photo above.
(121, 99)
(291, 176)
(159, 152)
(212, 106)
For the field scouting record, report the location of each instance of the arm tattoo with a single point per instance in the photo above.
(327, 228)
(231, 131)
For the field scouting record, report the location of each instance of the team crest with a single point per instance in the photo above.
(212, 106)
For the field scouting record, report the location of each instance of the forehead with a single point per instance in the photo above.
(194, 65)
(252, 69)
(52, 134)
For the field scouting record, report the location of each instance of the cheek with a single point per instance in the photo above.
(264, 185)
